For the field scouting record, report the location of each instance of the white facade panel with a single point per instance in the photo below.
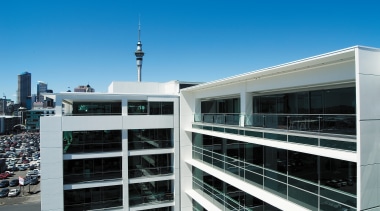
(332, 74)
(369, 144)
(50, 123)
(56, 174)
(51, 139)
(76, 123)
(148, 121)
(369, 193)
(51, 194)
(369, 95)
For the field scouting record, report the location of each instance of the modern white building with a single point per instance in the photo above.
(117, 150)
(298, 136)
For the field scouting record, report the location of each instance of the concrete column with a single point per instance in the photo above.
(245, 106)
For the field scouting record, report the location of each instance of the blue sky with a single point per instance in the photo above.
(70, 43)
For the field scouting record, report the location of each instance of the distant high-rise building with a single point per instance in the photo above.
(24, 88)
(82, 88)
(41, 88)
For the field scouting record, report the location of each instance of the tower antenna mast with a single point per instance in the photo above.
(139, 54)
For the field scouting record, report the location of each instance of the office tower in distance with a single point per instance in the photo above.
(24, 90)
(42, 87)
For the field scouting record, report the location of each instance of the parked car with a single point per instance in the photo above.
(32, 167)
(4, 183)
(34, 180)
(13, 192)
(4, 192)
(5, 175)
(22, 168)
(13, 183)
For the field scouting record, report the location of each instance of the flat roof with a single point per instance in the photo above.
(342, 55)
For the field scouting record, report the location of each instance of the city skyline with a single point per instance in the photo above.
(71, 43)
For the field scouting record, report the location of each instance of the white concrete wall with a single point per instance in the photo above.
(51, 163)
(187, 108)
(144, 88)
(76, 123)
(368, 125)
(148, 121)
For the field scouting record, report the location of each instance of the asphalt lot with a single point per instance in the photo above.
(28, 194)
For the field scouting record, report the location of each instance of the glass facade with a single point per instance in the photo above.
(84, 170)
(220, 111)
(349, 145)
(323, 111)
(161, 209)
(150, 138)
(94, 198)
(150, 108)
(91, 141)
(150, 193)
(303, 178)
(224, 195)
(219, 106)
(158, 108)
(327, 111)
(331, 101)
(96, 108)
(150, 165)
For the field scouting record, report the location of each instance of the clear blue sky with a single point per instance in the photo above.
(70, 43)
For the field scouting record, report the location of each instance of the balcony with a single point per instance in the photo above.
(150, 193)
(330, 193)
(320, 123)
(150, 144)
(141, 171)
(218, 118)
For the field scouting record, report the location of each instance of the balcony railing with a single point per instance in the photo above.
(150, 144)
(321, 123)
(150, 193)
(149, 172)
(282, 184)
(225, 119)
(91, 176)
(216, 196)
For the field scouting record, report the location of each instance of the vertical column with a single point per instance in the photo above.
(188, 107)
(58, 106)
(124, 107)
(124, 134)
(245, 106)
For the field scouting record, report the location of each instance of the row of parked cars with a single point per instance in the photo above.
(31, 178)
(10, 193)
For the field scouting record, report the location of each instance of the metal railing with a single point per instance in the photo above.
(149, 172)
(321, 123)
(149, 144)
(218, 118)
(273, 181)
(91, 176)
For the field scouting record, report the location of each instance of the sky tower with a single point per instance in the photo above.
(139, 56)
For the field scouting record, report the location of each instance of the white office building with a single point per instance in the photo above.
(298, 136)
(117, 150)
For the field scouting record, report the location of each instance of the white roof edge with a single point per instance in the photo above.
(320, 56)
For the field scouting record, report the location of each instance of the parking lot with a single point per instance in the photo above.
(28, 193)
(19, 154)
